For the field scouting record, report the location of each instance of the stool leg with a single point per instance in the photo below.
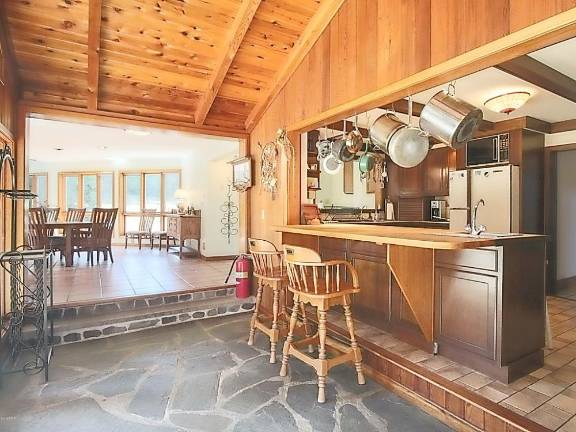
(255, 314)
(322, 355)
(274, 335)
(353, 343)
(290, 337)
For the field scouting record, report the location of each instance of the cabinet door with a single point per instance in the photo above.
(372, 303)
(465, 311)
(435, 171)
(411, 181)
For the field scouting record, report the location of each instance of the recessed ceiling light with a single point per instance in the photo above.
(58, 148)
(508, 102)
(103, 147)
(137, 132)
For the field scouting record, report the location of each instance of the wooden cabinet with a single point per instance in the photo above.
(183, 227)
(428, 179)
(436, 170)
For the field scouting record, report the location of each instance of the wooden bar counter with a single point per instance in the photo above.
(477, 300)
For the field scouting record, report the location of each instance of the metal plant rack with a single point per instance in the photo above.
(30, 281)
(28, 328)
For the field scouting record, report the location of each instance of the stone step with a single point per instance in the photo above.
(102, 307)
(88, 327)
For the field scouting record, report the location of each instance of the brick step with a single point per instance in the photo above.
(100, 307)
(102, 325)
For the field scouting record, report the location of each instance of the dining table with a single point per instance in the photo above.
(67, 228)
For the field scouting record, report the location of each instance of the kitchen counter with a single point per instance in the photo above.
(477, 300)
(427, 238)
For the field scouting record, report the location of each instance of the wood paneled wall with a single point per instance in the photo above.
(8, 125)
(372, 43)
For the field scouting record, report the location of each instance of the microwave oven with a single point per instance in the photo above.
(488, 150)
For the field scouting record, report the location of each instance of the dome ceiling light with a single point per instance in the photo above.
(507, 102)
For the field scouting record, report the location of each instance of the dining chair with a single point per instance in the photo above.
(99, 236)
(52, 213)
(103, 220)
(39, 236)
(75, 214)
(144, 229)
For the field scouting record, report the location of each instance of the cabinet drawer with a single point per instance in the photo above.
(484, 259)
(332, 243)
(365, 248)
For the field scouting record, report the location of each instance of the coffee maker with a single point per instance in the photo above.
(438, 210)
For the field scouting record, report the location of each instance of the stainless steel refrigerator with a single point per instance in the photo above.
(498, 186)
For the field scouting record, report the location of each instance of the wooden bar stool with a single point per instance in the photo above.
(322, 285)
(269, 272)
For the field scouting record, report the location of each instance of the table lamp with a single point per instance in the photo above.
(181, 195)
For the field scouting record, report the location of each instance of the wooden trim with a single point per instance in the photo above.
(107, 118)
(94, 24)
(565, 283)
(549, 31)
(531, 70)
(239, 28)
(318, 23)
(34, 183)
(244, 202)
(563, 126)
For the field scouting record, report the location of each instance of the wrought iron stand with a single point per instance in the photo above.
(28, 328)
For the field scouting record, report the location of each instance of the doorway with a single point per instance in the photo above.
(561, 217)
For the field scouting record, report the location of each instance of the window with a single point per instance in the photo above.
(39, 186)
(148, 190)
(86, 190)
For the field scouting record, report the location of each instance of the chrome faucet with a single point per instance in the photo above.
(474, 228)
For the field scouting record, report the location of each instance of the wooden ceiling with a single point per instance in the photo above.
(202, 62)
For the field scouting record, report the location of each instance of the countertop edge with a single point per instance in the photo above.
(382, 239)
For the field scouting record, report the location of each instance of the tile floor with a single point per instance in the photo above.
(199, 376)
(546, 396)
(135, 272)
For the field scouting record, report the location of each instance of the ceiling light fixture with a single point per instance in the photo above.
(507, 102)
(137, 132)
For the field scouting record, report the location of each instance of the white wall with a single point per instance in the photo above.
(566, 215)
(332, 192)
(206, 179)
(560, 138)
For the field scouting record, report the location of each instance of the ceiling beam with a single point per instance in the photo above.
(239, 28)
(563, 126)
(531, 70)
(94, 25)
(319, 21)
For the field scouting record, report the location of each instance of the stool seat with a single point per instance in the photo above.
(272, 274)
(321, 285)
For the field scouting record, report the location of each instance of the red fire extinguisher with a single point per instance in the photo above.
(242, 264)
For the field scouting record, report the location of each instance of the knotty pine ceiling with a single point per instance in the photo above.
(153, 58)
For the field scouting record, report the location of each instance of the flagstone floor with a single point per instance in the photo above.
(200, 376)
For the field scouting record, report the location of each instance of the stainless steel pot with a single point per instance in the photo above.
(383, 128)
(449, 119)
(408, 147)
(340, 151)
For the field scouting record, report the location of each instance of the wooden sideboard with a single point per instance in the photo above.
(183, 227)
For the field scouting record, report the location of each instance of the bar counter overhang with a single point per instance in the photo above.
(479, 301)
